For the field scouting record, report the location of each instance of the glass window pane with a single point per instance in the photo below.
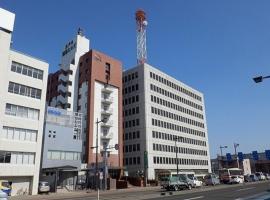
(28, 136)
(25, 158)
(30, 72)
(19, 69)
(34, 136)
(24, 71)
(31, 113)
(35, 73)
(19, 158)
(22, 90)
(10, 133)
(33, 92)
(16, 88)
(63, 156)
(22, 134)
(38, 95)
(10, 87)
(16, 134)
(7, 157)
(49, 155)
(56, 155)
(13, 67)
(69, 155)
(13, 158)
(40, 75)
(31, 158)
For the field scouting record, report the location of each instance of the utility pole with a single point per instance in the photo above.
(235, 151)
(176, 155)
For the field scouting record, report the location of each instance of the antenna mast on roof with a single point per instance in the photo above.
(141, 24)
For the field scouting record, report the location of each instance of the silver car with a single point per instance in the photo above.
(43, 187)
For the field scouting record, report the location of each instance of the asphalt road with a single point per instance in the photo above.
(249, 191)
(258, 191)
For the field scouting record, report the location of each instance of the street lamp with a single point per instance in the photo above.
(96, 147)
(221, 147)
(259, 79)
(235, 145)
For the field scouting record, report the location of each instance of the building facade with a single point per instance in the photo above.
(23, 83)
(89, 82)
(100, 98)
(158, 110)
(62, 129)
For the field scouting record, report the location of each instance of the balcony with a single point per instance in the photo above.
(107, 89)
(107, 111)
(107, 136)
(107, 124)
(107, 100)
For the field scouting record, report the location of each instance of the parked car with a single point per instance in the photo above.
(195, 181)
(267, 176)
(251, 178)
(3, 195)
(187, 179)
(43, 187)
(211, 179)
(236, 179)
(260, 175)
(174, 183)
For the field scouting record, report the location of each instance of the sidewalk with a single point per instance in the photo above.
(82, 193)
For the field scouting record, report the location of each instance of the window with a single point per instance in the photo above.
(26, 70)
(24, 90)
(21, 111)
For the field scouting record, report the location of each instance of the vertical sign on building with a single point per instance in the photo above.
(240, 156)
(255, 155)
(267, 154)
(229, 157)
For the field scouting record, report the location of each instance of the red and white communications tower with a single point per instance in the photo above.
(141, 36)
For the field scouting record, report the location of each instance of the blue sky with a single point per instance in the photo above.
(214, 46)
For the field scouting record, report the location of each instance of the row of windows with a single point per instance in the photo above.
(175, 127)
(175, 97)
(176, 117)
(132, 135)
(165, 136)
(130, 77)
(26, 70)
(24, 90)
(175, 107)
(132, 161)
(130, 89)
(19, 158)
(63, 155)
(168, 148)
(21, 134)
(181, 161)
(174, 86)
(130, 100)
(131, 123)
(131, 148)
(21, 111)
(131, 111)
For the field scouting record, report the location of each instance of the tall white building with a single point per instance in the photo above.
(66, 79)
(23, 83)
(158, 110)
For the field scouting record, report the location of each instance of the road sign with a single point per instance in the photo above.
(229, 156)
(255, 155)
(116, 146)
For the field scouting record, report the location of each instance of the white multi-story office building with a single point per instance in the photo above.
(161, 116)
(23, 83)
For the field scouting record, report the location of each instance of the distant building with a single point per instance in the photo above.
(62, 147)
(90, 82)
(23, 83)
(158, 110)
(257, 162)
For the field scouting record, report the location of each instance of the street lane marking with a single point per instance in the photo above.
(200, 197)
(245, 189)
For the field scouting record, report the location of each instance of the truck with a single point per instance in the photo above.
(175, 183)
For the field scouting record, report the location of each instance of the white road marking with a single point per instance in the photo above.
(245, 189)
(200, 197)
(239, 199)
